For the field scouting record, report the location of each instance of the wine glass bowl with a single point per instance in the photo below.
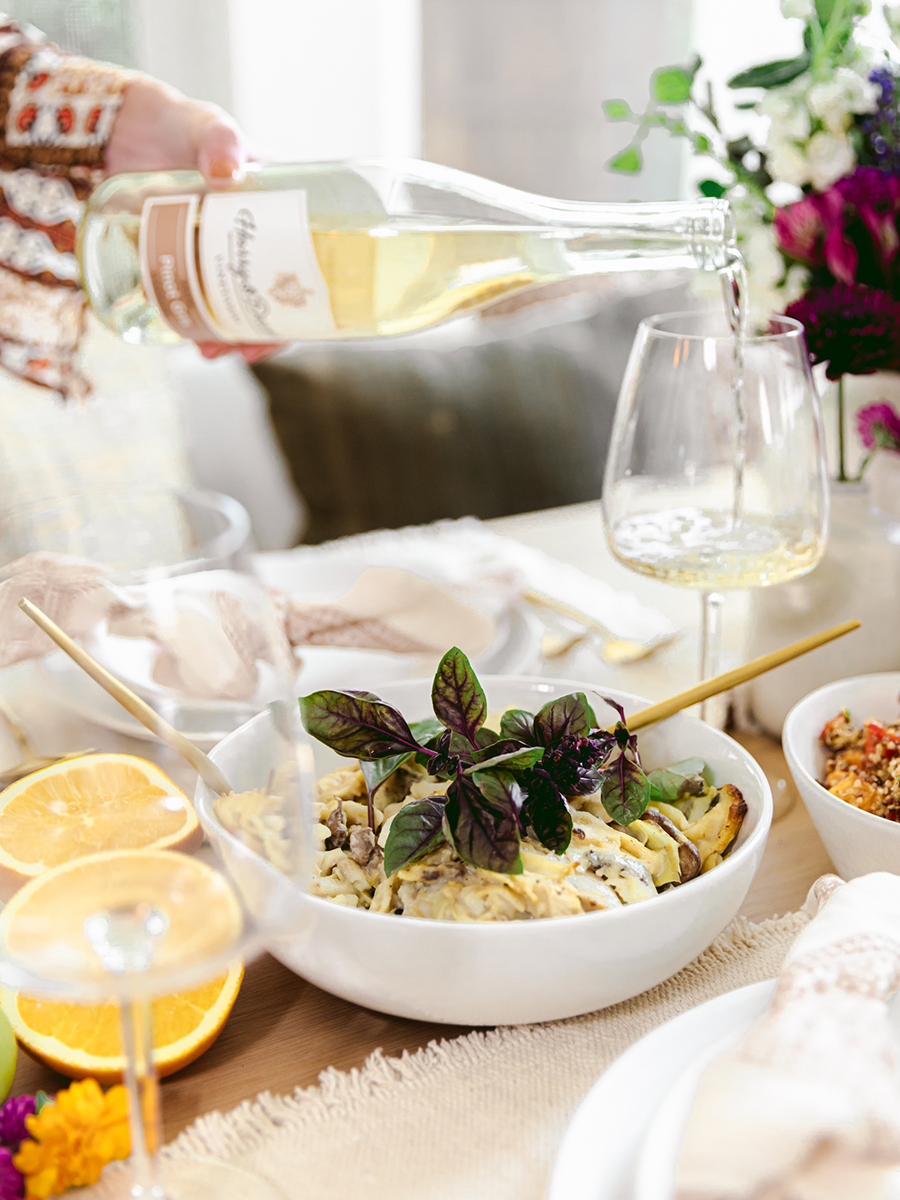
(123, 900)
(716, 478)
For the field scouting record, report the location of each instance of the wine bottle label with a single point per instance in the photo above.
(246, 272)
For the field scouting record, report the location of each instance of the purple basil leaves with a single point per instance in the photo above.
(457, 696)
(569, 716)
(626, 790)
(356, 725)
(548, 813)
(518, 726)
(482, 819)
(416, 830)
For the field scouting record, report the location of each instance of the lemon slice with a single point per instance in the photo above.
(86, 805)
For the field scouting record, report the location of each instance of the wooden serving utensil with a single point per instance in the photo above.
(731, 679)
(202, 764)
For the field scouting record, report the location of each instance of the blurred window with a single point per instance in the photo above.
(100, 29)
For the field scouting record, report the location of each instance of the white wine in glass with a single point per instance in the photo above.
(709, 485)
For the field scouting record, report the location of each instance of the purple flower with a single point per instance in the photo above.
(12, 1185)
(12, 1120)
(854, 328)
(879, 426)
(881, 145)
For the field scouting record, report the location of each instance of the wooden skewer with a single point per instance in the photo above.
(731, 679)
(202, 764)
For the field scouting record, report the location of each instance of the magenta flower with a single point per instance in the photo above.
(12, 1185)
(853, 328)
(799, 230)
(12, 1120)
(875, 197)
(879, 426)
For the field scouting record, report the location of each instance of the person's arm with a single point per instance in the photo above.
(65, 124)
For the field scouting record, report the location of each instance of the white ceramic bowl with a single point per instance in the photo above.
(857, 841)
(509, 972)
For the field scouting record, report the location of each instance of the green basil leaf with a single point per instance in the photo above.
(458, 699)
(375, 773)
(416, 830)
(356, 725)
(549, 814)
(518, 725)
(771, 74)
(512, 760)
(629, 161)
(426, 731)
(664, 784)
(616, 110)
(41, 1100)
(482, 817)
(625, 791)
(569, 716)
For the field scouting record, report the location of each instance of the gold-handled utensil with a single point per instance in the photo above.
(616, 651)
(732, 679)
(202, 764)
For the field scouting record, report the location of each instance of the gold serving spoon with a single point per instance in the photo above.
(616, 651)
(202, 764)
(213, 778)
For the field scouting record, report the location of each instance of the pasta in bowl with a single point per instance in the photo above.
(482, 971)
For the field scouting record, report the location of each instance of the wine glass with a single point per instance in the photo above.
(716, 476)
(173, 613)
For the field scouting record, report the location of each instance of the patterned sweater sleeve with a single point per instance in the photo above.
(56, 112)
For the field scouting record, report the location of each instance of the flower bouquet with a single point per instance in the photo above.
(815, 186)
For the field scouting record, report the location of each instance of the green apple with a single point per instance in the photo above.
(7, 1057)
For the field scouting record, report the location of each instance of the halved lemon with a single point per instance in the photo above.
(86, 805)
(80, 1039)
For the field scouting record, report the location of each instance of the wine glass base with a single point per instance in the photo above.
(208, 1179)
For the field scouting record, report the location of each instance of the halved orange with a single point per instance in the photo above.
(83, 1039)
(86, 805)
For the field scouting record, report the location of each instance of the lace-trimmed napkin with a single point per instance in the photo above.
(474, 564)
(808, 1108)
(478, 1117)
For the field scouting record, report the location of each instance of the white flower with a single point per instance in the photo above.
(892, 17)
(834, 101)
(788, 116)
(829, 157)
(764, 264)
(795, 284)
(787, 163)
(797, 8)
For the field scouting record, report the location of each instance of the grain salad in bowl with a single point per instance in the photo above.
(479, 956)
(843, 750)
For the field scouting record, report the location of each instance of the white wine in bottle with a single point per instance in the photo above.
(356, 249)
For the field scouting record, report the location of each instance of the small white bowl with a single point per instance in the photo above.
(857, 841)
(509, 973)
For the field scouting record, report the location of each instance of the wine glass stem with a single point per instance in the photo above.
(710, 639)
(136, 1018)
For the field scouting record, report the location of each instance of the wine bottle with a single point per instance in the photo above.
(355, 249)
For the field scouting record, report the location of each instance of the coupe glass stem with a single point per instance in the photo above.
(136, 1018)
(710, 640)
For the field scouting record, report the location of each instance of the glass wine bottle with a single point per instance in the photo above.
(356, 249)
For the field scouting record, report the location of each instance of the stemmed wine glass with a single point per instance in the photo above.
(716, 476)
(171, 611)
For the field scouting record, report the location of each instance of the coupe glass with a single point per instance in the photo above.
(712, 487)
(180, 621)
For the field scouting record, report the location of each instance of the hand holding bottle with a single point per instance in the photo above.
(159, 129)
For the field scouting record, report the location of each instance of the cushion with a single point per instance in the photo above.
(489, 417)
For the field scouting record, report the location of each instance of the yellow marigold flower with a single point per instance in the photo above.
(73, 1139)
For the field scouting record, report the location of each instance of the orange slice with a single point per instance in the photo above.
(87, 805)
(81, 1039)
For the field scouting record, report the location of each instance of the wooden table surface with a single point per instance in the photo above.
(284, 1031)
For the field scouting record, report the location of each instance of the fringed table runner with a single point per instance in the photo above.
(478, 1117)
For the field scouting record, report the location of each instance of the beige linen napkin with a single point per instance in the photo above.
(808, 1108)
(478, 1117)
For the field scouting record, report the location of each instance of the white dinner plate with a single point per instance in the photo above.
(515, 650)
(623, 1141)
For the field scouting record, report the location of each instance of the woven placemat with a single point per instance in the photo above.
(478, 1117)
